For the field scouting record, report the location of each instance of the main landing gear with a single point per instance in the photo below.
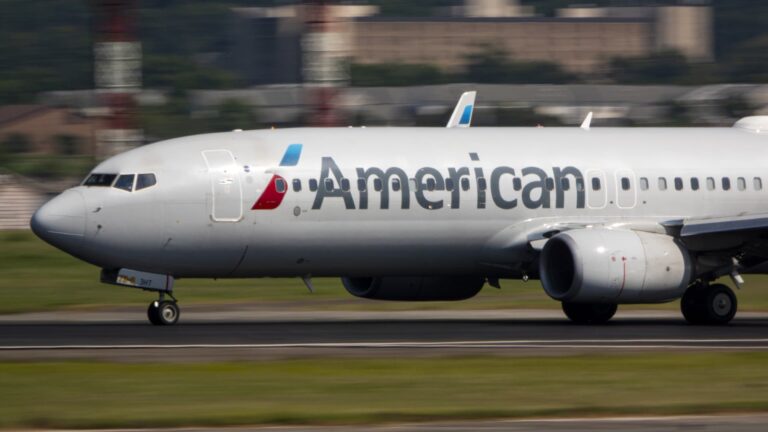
(162, 311)
(703, 303)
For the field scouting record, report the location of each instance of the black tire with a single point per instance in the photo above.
(720, 304)
(168, 313)
(589, 313)
(692, 305)
(153, 313)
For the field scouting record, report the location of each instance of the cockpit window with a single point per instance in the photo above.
(144, 181)
(125, 182)
(103, 180)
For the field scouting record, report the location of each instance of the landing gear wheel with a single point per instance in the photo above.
(692, 305)
(711, 304)
(589, 313)
(720, 304)
(163, 313)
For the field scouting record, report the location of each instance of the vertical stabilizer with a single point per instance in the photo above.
(462, 114)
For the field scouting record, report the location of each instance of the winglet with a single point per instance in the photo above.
(462, 114)
(587, 121)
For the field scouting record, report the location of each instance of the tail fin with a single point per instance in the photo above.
(462, 114)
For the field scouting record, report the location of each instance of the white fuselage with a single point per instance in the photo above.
(507, 190)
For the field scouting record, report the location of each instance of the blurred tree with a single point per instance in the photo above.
(67, 145)
(661, 68)
(493, 66)
(16, 143)
(395, 74)
(233, 114)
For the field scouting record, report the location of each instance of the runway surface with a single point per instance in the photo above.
(730, 423)
(375, 333)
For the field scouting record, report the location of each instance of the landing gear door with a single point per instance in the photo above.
(226, 189)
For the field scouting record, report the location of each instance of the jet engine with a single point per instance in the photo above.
(414, 288)
(614, 266)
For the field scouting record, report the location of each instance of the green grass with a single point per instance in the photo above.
(35, 276)
(313, 391)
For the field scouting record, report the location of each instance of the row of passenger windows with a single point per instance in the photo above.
(126, 182)
(565, 184)
(362, 185)
(693, 183)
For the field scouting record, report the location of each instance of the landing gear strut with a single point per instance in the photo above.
(163, 312)
(708, 304)
(589, 313)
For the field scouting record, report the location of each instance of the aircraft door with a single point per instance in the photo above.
(597, 189)
(626, 189)
(226, 190)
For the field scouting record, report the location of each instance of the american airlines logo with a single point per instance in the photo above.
(430, 188)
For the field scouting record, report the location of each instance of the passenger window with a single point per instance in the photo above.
(565, 184)
(395, 185)
(694, 183)
(596, 183)
(678, 183)
(431, 184)
(125, 182)
(710, 183)
(550, 183)
(464, 184)
(580, 184)
(741, 183)
(643, 183)
(625, 183)
(449, 184)
(312, 185)
(377, 186)
(328, 185)
(361, 186)
(296, 185)
(726, 183)
(757, 182)
(481, 185)
(345, 185)
(280, 185)
(104, 180)
(144, 181)
(662, 184)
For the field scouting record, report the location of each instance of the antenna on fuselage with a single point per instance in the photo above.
(587, 121)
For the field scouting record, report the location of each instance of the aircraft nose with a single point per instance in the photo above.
(61, 221)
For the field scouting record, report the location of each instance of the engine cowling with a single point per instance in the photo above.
(414, 288)
(614, 266)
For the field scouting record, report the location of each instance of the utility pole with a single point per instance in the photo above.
(324, 54)
(117, 74)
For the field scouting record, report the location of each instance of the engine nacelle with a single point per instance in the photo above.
(414, 288)
(614, 266)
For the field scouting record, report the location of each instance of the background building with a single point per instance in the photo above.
(265, 44)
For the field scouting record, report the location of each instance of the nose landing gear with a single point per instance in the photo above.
(163, 312)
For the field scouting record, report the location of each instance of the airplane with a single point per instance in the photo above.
(601, 216)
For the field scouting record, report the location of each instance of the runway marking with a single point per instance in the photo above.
(721, 344)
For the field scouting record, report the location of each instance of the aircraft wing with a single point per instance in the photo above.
(724, 225)
(462, 114)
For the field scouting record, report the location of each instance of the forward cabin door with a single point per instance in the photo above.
(226, 190)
